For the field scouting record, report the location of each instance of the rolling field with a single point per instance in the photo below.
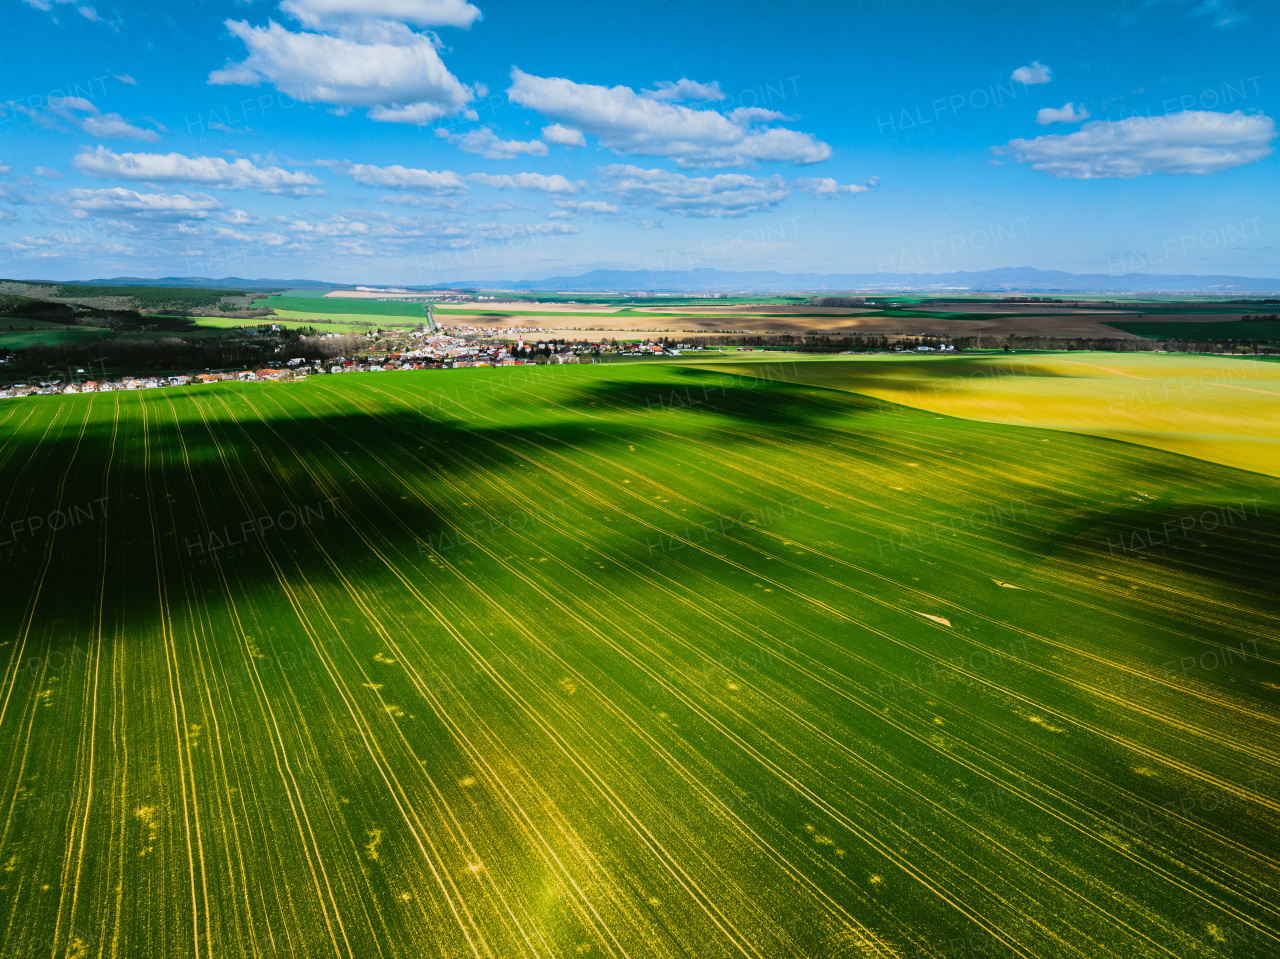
(330, 306)
(570, 319)
(330, 315)
(582, 320)
(47, 333)
(644, 660)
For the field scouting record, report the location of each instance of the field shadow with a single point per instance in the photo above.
(224, 475)
(760, 400)
(362, 459)
(251, 477)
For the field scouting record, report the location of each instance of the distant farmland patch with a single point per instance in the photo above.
(1263, 330)
(49, 334)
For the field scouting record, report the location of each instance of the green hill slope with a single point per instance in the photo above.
(645, 660)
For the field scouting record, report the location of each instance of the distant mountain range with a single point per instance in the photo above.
(1004, 280)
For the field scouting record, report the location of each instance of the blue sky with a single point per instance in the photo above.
(423, 141)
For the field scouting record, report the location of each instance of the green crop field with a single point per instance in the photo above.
(337, 323)
(629, 660)
(288, 321)
(15, 338)
(317, 306)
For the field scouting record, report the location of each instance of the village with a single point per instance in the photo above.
(386, 350)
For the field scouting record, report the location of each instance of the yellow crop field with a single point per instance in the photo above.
(1217, 408)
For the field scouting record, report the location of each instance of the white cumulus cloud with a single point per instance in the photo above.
(1067, 113)
(563, 136)
(112, 126)
(555, 183)
(570, 207)
(1035, 72)
(723, 195)
(392, 70)
(328, 14)
(829, 187)
(242, 174)
(632, 123)
(1195, 141)
(434, 182)
(492, 147)
(684, 90)
(119, 201)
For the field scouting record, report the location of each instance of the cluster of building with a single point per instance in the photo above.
(421, 349)
(427, 351)
(492, 332)
(654, 349)
(77, 385)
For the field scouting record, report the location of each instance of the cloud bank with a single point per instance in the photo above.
(362, 53)
(647, 124)
(724, 195)
(1195, 141)
(240, 174)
